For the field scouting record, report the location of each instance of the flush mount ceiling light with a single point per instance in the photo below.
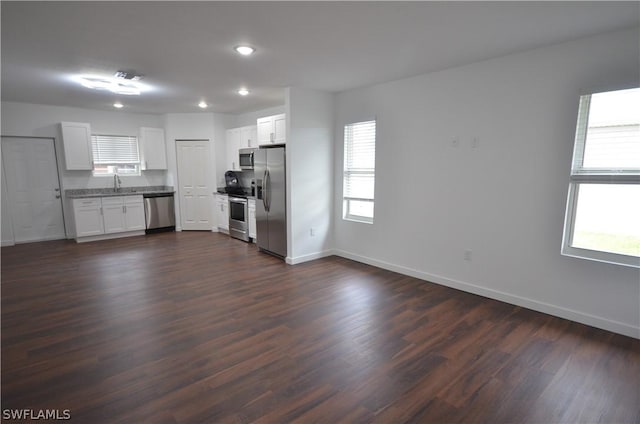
(243, 92)
(127, 84)
(203, 105)
(244, 50)
(118, 105)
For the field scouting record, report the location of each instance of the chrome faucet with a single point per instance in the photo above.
(116, 182)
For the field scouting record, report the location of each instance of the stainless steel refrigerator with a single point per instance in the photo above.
(271, 209)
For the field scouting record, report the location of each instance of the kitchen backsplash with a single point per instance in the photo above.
(83, 180)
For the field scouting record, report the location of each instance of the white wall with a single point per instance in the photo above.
(309, 173)
(505, 199)
(198, 126)
(30, 120)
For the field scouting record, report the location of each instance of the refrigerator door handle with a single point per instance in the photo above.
(268, 184)
(264, 191)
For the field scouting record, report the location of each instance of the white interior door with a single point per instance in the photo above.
(193, 183)
(33, 191)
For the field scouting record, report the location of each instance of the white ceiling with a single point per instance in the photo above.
(184, 49)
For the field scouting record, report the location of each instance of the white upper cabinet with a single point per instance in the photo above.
(153, 148)
(265, 126)
(236, 139)
(248, 137)
(233, 144)
(76, 139)
(272, 130)
(279, 129)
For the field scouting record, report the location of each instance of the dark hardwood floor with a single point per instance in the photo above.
(201, 328)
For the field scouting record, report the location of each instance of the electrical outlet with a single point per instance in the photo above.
(467, 255)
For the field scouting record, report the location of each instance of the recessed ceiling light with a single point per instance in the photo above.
(112, 84)
(244, 50)
(203, 105)
(243, 92)
(118, 105)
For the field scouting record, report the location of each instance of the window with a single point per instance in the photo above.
(115, 154)
(359, 171)
(603, 208)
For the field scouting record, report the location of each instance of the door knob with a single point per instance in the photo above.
(57, 196)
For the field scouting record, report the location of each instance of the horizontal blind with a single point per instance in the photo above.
(608, 134)
(115, 149)
(613, 147)
(359, 160)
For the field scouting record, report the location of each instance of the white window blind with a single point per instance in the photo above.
(115, 149)
(359, 170)
(608, 134)
(603, 205)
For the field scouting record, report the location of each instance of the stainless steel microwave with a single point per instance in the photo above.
(246, 159)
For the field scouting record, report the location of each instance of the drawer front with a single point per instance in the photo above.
(87, 203)
(113, 200)
(135, 199)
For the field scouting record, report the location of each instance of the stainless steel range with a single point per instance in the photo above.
(238, 217)
(238, 206)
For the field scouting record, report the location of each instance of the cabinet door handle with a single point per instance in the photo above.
(101, 213)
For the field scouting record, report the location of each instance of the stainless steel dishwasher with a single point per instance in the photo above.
(159, 213)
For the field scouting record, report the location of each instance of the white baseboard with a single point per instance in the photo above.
(110, 236)
(570, 314)
(6, 243)
(309, 257)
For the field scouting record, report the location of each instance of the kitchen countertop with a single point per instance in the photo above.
(81, 193)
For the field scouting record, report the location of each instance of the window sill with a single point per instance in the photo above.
(598, 256)
(360, 219)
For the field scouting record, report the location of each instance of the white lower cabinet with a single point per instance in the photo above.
(113, 212)
(252, 219)
(88, 217)
(222, 212)
(134, 213)
(108, 215)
